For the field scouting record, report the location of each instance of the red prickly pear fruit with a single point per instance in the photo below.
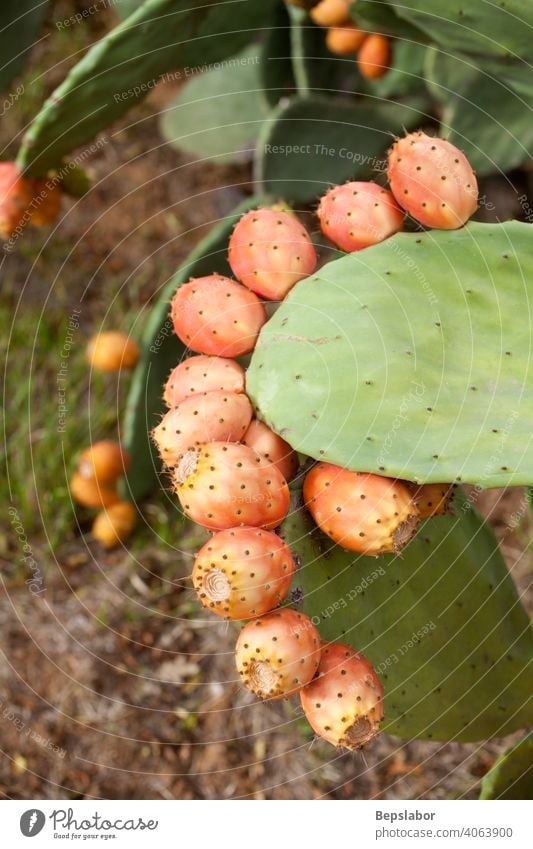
(112, 351)
(374, 57)
(196, 375)
(214, 315)
(356, 215)
(105, 461)
(269, 251)
(243, 573)
(272, 447)
(15, 198)
(362, 512)
(223, 485)
(24, 200)
(330, 13)
(278, 654)
(432, 499)
(344, 702)
(210, 417)
(345, 40)
(433, 181)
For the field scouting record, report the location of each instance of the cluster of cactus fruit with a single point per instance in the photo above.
(344, 38)
(231, 473)
(102, 464)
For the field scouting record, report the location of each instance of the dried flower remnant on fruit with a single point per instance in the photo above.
(278, 654)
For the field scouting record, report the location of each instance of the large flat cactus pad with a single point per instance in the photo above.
(442, 623)
(413, 358)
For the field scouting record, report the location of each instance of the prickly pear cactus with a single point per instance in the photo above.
(19, 27)
(219, 113)
(511, 777)
(484, 114)
(161, 351)
(160, 36)
(430, 333)
(310, 142)
(442, 624)
(381, 16)
(501, 30)
(490, 123)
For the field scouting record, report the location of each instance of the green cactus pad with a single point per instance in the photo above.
(491, 124)
(411, 358)
(314, 67)
(511, 777)
(123, 8)
(20, 21)
(218, 114)
(123, 67)
(445, 74)
(442, 623)
(405, 74)
(276, 65)
(381, 16)
(161, 350)
(312, 142)
(485, 115)
(479, 27)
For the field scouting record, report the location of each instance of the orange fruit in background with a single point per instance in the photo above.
(345, 40)
(112, 351)
(114, 525)
(374, 57)
(105, 461)
(88, 492)
(331, 13)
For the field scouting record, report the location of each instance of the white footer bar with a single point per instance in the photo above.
(274, 825)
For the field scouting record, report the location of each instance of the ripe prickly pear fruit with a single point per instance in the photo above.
(90, 493)
(196, 375)
(15, 198)
(356, 215)
(24, 200)
(374, 56)
(115, 524)
(269, 251)
(104, 461)
(112, 351)
(210, 417)
(243, 573)
(345, 40)
(432, 499)
(344, 702)
(272, 447)
(278, 654)
(362, 512)
(330, 13)
(433, 181)
(223, 485)
(214, 315)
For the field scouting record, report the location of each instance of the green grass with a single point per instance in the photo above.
(36, 460)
